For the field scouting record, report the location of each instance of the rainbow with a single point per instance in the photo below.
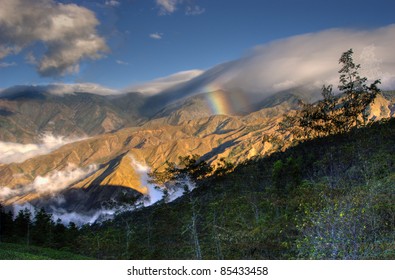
(225, 103)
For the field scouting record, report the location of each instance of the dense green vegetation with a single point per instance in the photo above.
(24, 237)
(327, 198)
(10, 251)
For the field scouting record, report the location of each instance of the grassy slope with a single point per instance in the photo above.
(10, 251)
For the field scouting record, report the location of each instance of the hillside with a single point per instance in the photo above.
(330, 198)
(327, 198)
(112, 159)
(25, 115)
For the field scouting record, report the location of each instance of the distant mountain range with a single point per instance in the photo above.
(125, 136)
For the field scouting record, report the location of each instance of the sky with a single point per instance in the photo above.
(118, 44)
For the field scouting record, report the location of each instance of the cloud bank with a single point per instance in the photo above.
(161, 84)
(67, 31)
(56, 181)
(15, 152)
(66, 217)
(59, 89)
(312, 59)
(308, 61)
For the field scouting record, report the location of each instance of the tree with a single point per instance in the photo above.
(189, 168)
(335, 114)
(59, 234)
(286, 175)
(42, 230)
(1, 221)
(357, 94)
(6, 224)
(22, 224)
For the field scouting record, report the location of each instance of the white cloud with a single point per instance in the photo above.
(53, 183)
(50, 184)
(305, 60)
(84, 218)
(313, 58)
(31, 58)
(121, 62)
(112, 3)
(194, 10)
(156, 36)
(61, 89)
(7, 64)
(160, 84)
(67, 217)
(68, 32)
(15, 152)
(155, 193)
(167, 7)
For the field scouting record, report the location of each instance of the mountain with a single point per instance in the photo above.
(27, 114)
(328, 198)
(89, 172)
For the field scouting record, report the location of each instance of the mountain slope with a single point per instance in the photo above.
(112, 159)
(329, 198)
(25, 116)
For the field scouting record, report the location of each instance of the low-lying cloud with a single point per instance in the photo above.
(161, 84)
(79, 219)
(56, 181)
(59, 89)
(50, 184)
(156, 193)
(67, 31)
(16, 152)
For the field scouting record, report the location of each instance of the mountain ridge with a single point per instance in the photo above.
(214, 138)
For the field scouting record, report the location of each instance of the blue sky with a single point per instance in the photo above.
(132, 41)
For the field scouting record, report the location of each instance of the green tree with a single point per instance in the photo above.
(335, 114)
(357, 94)
(286, 175)
(59, 234)
(6, 225)
(42, 230)
(22, 226)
